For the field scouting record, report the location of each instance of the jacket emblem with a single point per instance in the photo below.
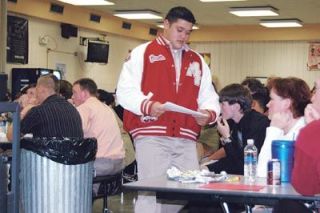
(146, 119)
(194, 71)
(154, 58)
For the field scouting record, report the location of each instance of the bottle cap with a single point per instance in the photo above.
(250, 141)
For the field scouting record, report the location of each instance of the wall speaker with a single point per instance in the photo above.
(56, 8)
(68, 30)
(95, 18)
(126, 25)
(153, 31)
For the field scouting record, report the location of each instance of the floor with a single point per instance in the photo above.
(116, 206)
(122, 203)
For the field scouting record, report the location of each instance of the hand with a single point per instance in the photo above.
(202, 120)
(223, 127)
(157, 109)
(23, 100)
(311, 114)
(280, 120)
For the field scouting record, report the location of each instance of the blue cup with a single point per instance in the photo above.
(284, 151)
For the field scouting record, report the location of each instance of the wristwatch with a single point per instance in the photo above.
(224, 141)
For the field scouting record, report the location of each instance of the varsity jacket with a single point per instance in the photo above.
(149, 75)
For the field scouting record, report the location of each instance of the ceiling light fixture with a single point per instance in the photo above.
(195, 27)
(138, 14)
(87, 3)
(220, 0)
(254, 11)
(281, 23)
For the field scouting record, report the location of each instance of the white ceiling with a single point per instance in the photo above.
(211, 14)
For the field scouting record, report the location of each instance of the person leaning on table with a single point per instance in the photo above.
(162, 70)
(53, 116)
(288, 99)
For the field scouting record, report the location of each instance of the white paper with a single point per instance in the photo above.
(169, 106)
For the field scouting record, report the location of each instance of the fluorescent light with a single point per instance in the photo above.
(220, 0)
(195, 27)
(281, 23)
(138, 14)
(87, 2)
(254, 11)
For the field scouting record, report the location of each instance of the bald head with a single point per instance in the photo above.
(47, 85)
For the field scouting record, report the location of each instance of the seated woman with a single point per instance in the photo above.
(288, 99)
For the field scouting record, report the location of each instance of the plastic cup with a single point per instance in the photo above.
(284, 151)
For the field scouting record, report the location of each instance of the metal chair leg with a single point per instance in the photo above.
(225, 207)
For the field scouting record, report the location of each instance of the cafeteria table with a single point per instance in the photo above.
(234, 191)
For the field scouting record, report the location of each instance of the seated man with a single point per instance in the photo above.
(54, 116)
(99, 121)
(246, 123)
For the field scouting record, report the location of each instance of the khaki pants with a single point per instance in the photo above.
(154, 156)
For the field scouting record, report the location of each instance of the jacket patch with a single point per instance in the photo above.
(154, 58)
(194, 71)
(147, 119)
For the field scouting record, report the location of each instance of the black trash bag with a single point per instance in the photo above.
(68, 151)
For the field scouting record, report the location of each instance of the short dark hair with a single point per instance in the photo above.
(65, 89)
(176, 13)
(105, 97)
(87, 84)
(253, 84)
(236, 93)
(262, 97)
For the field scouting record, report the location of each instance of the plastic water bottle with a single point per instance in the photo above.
(250, 161)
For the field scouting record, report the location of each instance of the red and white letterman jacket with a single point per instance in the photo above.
(149, 75)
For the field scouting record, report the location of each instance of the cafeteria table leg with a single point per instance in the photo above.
(248, 208)
(225, 207)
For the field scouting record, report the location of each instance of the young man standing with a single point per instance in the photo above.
(166, 70)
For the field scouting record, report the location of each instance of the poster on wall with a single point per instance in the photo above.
(207, 58)
(17, 40)
(314, 56)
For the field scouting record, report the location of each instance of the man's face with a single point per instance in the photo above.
(177, 32)
(227, 110)
(77, 95)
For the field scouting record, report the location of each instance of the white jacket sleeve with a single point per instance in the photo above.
(272, 133)
(129, 94)
(208, 98)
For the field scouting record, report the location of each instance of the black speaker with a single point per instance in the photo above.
(56, 8)
(68, 30)
(126, 25)
(95, 18)
(3, 87)
(153, 31)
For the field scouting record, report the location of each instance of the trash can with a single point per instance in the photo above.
(56, 175)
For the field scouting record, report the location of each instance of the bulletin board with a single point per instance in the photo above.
(17, 40)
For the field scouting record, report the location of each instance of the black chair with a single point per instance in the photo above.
(109, 185)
